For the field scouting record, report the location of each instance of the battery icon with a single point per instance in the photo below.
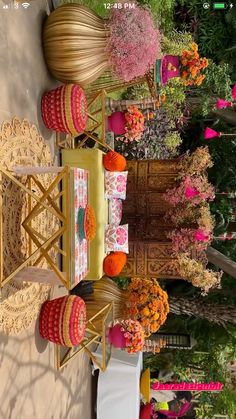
(218, 6)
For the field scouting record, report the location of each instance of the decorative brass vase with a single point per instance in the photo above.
(106, 291)
(74, 41)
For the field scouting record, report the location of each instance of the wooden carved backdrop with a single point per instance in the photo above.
(150, 252)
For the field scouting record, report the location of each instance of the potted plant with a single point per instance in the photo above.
(128, 335)
(79, 45)
(147, 302)
(188, 66)
(129, 123)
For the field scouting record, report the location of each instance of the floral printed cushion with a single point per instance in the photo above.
(115, 184)
(116, 238)
(115, 211)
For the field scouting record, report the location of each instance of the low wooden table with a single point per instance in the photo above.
(69, 186)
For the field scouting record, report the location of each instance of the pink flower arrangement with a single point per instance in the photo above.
(184, 240)
(133, 334)
(196, 216)
(134, 123)
(134, 43)
(192, 189)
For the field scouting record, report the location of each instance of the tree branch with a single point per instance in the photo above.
(221, 261)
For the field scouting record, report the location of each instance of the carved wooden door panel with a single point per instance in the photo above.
(151, 259)
(144, 209)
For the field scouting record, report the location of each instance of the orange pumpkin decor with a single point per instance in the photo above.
(114, 263)
(114, 162)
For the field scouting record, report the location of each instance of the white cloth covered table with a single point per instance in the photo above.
(118, 393)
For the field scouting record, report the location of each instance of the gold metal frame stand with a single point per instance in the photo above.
(94, 334)
(47, 199)
(96, 107)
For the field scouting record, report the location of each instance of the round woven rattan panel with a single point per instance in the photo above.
(21, 145)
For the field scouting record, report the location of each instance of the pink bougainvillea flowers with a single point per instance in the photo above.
(191, 192)
(222, 104)
(201, 236)
(211, 133)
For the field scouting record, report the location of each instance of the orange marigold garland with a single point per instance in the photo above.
(89, 223)
(147, 303)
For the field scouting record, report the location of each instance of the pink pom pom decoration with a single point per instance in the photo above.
(211, 133)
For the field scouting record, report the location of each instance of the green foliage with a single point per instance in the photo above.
(151, 144)
(162, 12)
(217, 84)
(175, 97)
(122, 282)
(172, 141)
(218, 80)
(212, 361)
(223, 153)
(176, 42)
(223, 213)
(140, 91)
(230, 53)
(202, 364)
(213, 30)
(225, 402)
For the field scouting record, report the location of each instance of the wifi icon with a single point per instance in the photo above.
(25, 5)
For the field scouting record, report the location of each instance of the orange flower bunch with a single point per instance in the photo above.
(147, 303)
(192, 66)
(134, 123)
(89, 223)
(134, 335)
